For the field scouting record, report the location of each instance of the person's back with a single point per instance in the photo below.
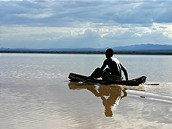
(114, 66)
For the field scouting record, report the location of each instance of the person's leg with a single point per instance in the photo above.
(96, 73)
(106, 75)
(107, 70)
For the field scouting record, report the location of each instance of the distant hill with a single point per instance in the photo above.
(145, 47)
(132, 49)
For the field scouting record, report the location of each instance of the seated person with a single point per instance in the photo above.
(114, 67)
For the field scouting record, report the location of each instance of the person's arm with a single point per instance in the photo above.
(125, 71)
(104, 65)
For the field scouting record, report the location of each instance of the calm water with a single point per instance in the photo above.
(35, 93)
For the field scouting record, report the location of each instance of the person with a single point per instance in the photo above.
(114, 67)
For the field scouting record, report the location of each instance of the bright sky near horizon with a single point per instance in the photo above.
(84, 23)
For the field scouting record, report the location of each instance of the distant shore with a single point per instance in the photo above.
(89, 52)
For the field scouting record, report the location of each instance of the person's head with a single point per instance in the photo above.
(109, 53)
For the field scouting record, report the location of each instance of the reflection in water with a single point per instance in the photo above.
(110, 95)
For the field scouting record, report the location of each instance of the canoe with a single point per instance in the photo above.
(81, 78)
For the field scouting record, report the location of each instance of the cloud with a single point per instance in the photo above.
(89, 35)
(54, 13)
(87, 23)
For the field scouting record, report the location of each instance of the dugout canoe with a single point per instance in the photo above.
(81, 78)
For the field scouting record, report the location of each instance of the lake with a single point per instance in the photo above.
(35, 93)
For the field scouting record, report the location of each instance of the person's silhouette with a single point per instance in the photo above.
(110, 95)
(114, 67)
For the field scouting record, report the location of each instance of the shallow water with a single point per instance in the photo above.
(35, 93)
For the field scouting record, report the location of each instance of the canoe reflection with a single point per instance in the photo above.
(110, 95)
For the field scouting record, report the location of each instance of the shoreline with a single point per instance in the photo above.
(89, 52)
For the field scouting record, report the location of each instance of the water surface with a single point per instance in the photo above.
(35, 93)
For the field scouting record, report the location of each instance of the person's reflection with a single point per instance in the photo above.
(110, 95)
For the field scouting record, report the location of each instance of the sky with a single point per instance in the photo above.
(84, 23)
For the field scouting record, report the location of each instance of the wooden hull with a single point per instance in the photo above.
(80, 78)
